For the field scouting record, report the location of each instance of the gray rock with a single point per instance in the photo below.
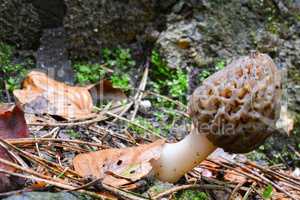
(93, 25)
(227, 29)
(20, 24)
(46, 196)
(52, 55)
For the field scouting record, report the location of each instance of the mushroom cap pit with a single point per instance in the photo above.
(238, 106)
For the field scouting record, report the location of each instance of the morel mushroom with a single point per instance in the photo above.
(235, 109)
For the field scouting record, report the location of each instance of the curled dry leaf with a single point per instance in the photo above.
(118, 167)
(43, 95)
(12, 122)
(104, 90)
(12, 125)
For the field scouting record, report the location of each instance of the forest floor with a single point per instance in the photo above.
(154, 108)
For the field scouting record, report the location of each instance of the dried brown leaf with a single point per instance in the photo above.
(118, 167)
(43, 95)
(12, 122)
(104, 90)
(12, 125)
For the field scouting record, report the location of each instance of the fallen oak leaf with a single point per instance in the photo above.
(104, 90)
(12, 122)
(42, 95)
(118, 167)
(12, 125)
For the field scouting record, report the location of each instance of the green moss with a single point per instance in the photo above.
(167, 81)
(121, 81)
(73, 134)
(294, 74)
(205, 73)
(191, 195)
(88, 73)
(119, 60)
(144, 123)
(11, 73)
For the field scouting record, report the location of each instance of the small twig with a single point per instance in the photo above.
(140, 94)
(278, 174)
(29, 171)
(95, 120)
(40, 140)
(294, 150)
(249, 191)
(93, 182)
(178, 103)
(47, 164)
(54, 183)
(122, 194)
(266, 180)
(100, 117)
(236, 189)
(110, 132)
(7, 92)
(133, 123)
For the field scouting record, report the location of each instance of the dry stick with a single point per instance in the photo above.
(192, 186)
(120, 136)
(40, 140)
(249, 191)
(237, 170)
(236, 189)
(139, 92)
(52, 132)
(128, 106)
(133, 123)
(293, 149)
(39, 160)
(136, 96)
(178, 103)
(115, 191)
(263, 178)
(272, 183)
(122, 194)
(86, 185)
(229, 185)
(29, 171)
(275, 174)
(70, 148)
(7, 92)
(99, 118)
(56, 184)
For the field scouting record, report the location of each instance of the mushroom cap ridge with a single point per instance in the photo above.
(238, 106)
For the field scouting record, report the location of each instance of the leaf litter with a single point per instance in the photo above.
(50, 158)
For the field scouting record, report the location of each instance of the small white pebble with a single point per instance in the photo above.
(145, 106)
(296, 172)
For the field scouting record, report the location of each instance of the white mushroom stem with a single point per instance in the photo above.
(178, 158)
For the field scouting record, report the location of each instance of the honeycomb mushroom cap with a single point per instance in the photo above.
(238, 106)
